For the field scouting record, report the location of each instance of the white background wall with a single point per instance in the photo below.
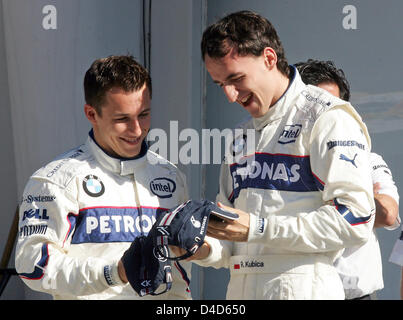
(41, 74)
(43, 97)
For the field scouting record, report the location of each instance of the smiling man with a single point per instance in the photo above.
(92, 202)
(299, 201)
(119, 129)
(244, 82)
(121, 117)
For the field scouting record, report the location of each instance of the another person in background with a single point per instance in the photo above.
(360, 267)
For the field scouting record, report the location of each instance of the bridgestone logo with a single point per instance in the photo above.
(345, 143)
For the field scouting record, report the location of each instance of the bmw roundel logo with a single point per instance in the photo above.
(238, 145)
(93, 186)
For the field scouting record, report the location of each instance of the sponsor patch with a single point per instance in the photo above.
(39, 214)
(311, 98)
(238, 145)
(62, 162)
(108, 275)
(163, 187)
(29, 230)
(195, 223)
(380, 166)
(158, 255)
(114, 224)
(273, 172)
(93, 186)
(345, 158)
(38, 198)
(344, 143)
(260, 225)
(290, 133)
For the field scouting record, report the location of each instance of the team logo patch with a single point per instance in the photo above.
(93, 186)
(344, 143)
(157, 254)
(36, 214)
(38, 198)
(260, 225)
(163, 187)
(290, 133)
(238, 145)
(345, 158)
(313, 99)
(273, 172)
(196, 223)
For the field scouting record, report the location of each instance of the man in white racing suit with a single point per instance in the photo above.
(80, 212)
(360, 267)
(302, 189)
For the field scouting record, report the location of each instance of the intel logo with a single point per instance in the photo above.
(290, 134)
(162, 187)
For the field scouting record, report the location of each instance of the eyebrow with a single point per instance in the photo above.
(146, 110)
(229, 77)
(127, 114)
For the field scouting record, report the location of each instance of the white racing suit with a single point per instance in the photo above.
(306, 182)
(360, 267)
(81, 212)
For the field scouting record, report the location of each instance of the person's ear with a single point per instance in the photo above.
(90, 113)
(270, 57)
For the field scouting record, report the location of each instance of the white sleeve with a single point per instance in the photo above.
(382, 174)
(220, 250)
(181, 179)
(45, 229)
(346, 218)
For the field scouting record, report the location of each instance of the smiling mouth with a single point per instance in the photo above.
(132, 141)
(245, 101)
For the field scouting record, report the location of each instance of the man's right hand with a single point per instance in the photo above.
(122, 272)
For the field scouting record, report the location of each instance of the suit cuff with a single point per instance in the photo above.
(111, 275)
(257, 228)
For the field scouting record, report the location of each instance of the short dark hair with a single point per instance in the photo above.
(315, 72)
(248, 33)
(113, 72)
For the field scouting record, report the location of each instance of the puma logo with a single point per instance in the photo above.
(345, 158)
